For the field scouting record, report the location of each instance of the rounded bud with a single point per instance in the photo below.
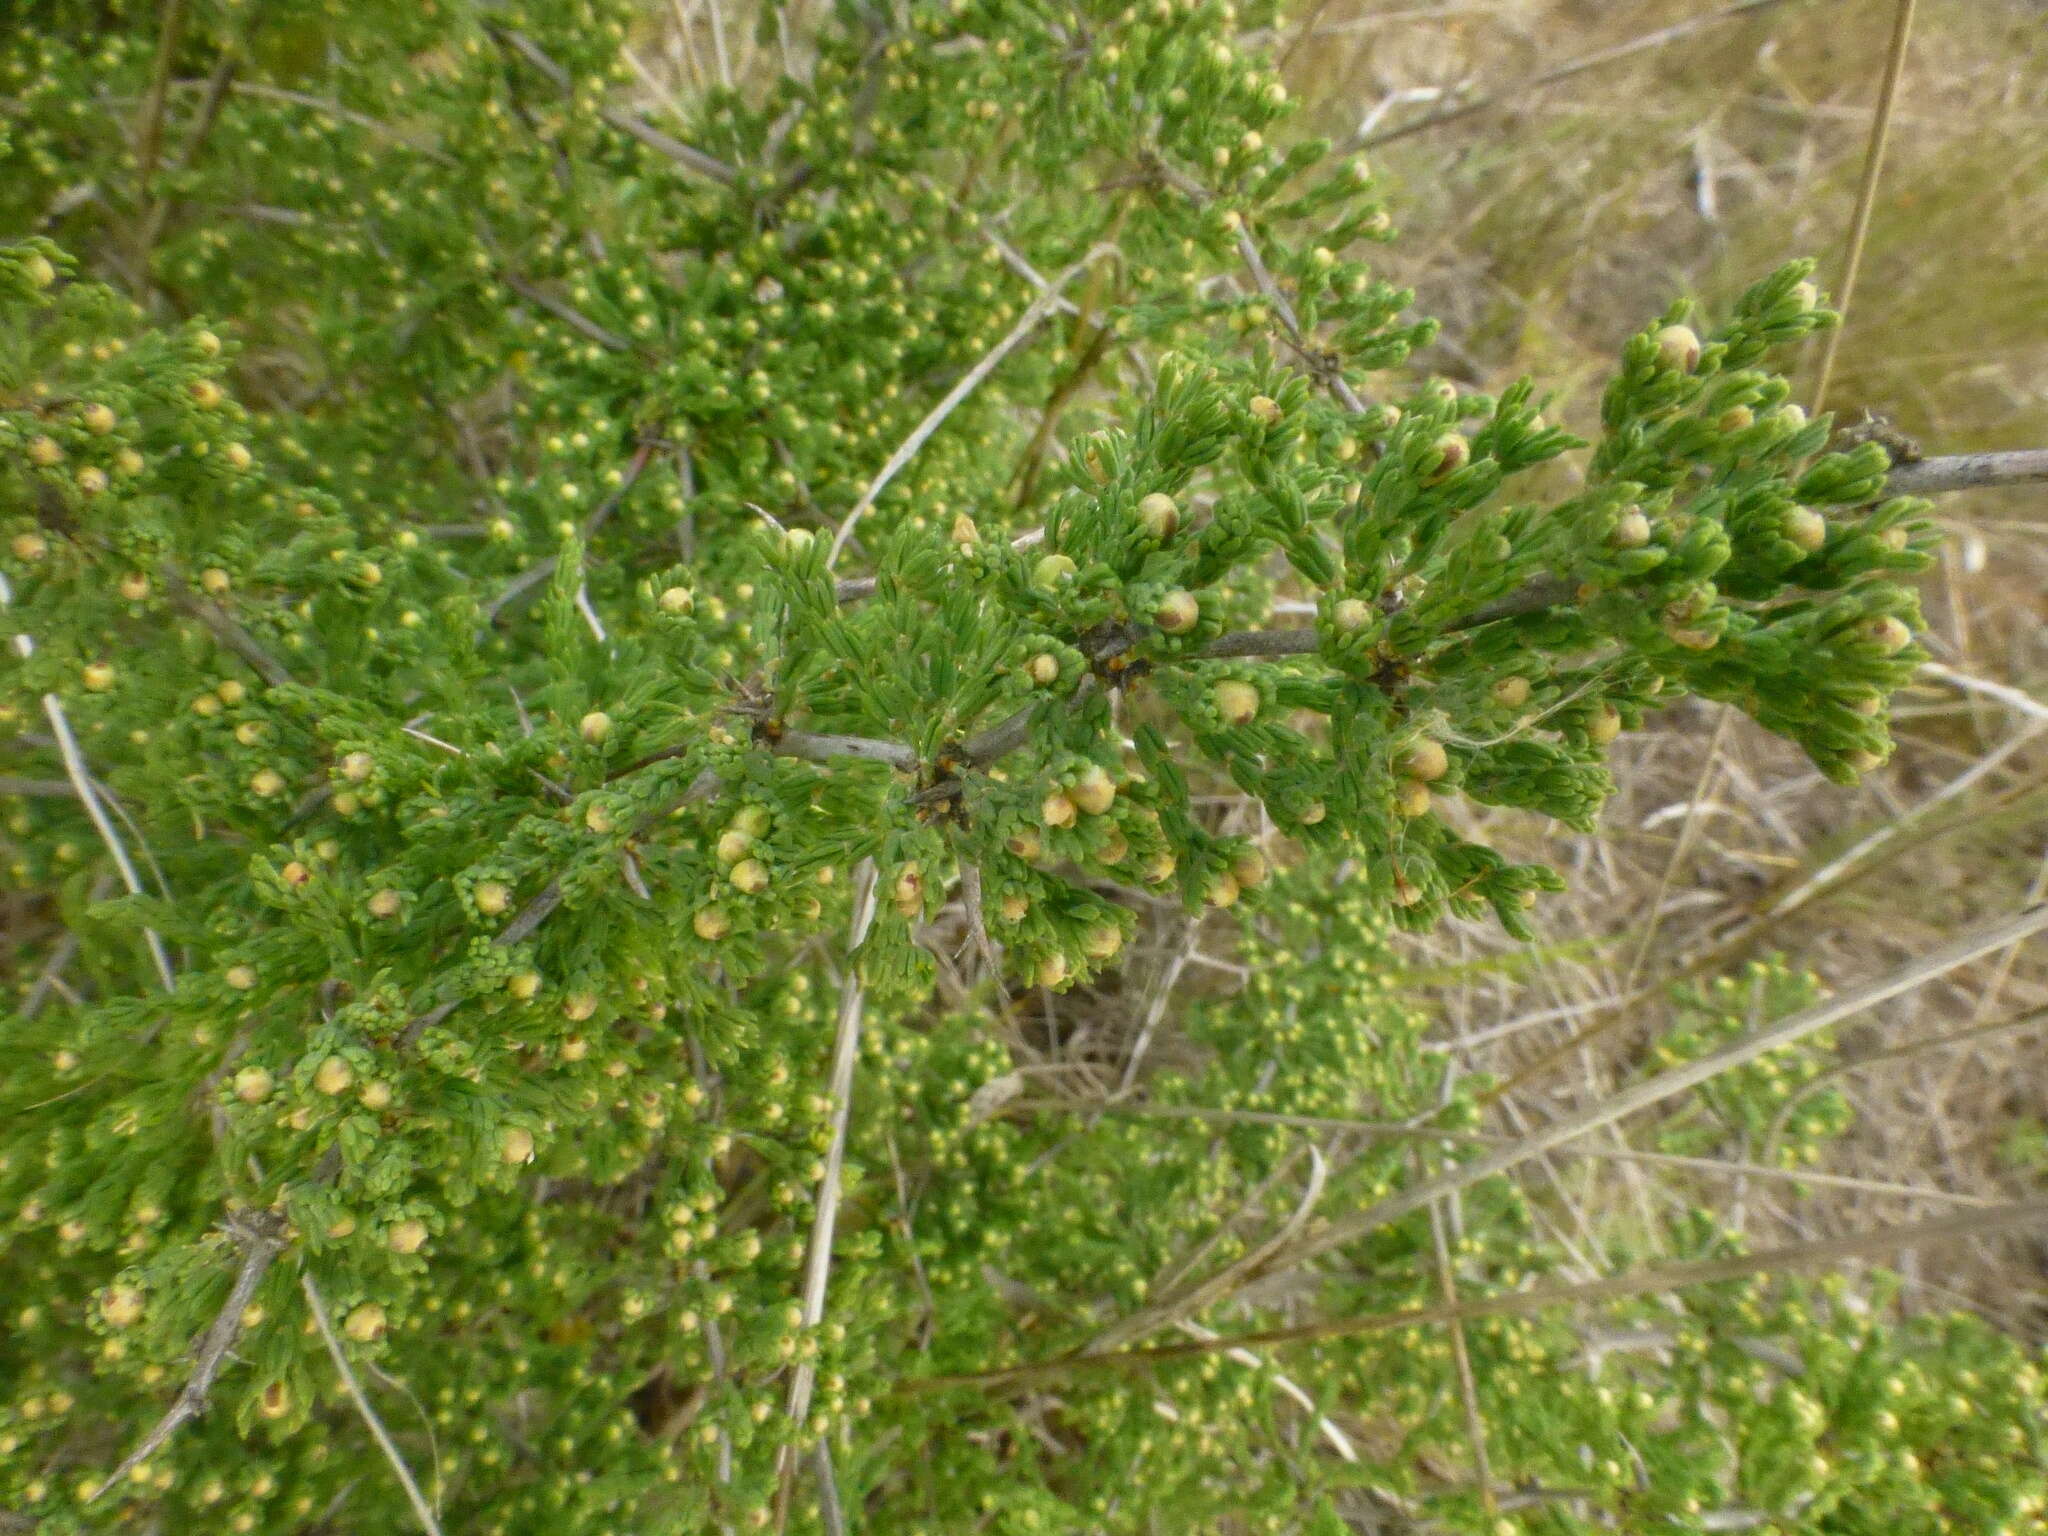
(1737, 418)
(275, 1401)
(491, 897)
(252, 1085)
(385, 903)
(1250, 869)
(523, 985)
(1056, 810)
(1888, 634)
(207, 343)
(233, 691)
(578, 1006)
(215, 581)
(1026, 843)
(1052, 571)
(38, 271)
(1424, 759)
(1448, 454)
(1806, 295)
(333, 1076)
(1236, 701)
(797, 542)
(1512, 692)
(676, 600)
(1412, 798)
(240, 977)
(598, 817)
(1094, 791)
(711, 924)
(92, 480)
(515, 1145)
(1160, 515)
(963, 530)
(98, 677)
(1351, 615)
(1051, 971)
(375, 1096)
(1160, 866)
(29, 546)
(749, 876)
(1806, 528)
(1605, 725)
(98, 419)
(1264, 409)
(1043, 669)
(1678, 347)
(1177, 613)
(295, 874)
(1102, 943)
(1013, 907)
(1313, 813)
(239, 457)
(122, 1306)
(1221, 891)
(365, 1324)
(358, 766)
(44, 452)
(1631, 530)
(128, 461)
(1863, 761)
(408, 1236)
(1868, 705)
(595, 726)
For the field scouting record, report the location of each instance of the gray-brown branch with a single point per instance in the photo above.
(262, 1239)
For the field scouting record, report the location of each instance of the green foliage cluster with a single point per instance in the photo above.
(512, 648)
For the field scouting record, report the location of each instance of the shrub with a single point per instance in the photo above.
(466, 693)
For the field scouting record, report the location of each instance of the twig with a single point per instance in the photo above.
(1263, 642)
(1840, 1070)
(149, 131)
(420, 1506)
(1412, 1131)
(1999, 1218)
(44, 789)
(2021, 703)
(1461, 1358)
(1618, 1106)
(541, 570)
(845, 1050)
(1866, 194)
(1155, 1009)
(568, 314)
(1967, 471)
(88, 796)
(1322, 365)
(1643, 44)
(1032, 317)
(823, 748)
(262, 1239)
(682, 154)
